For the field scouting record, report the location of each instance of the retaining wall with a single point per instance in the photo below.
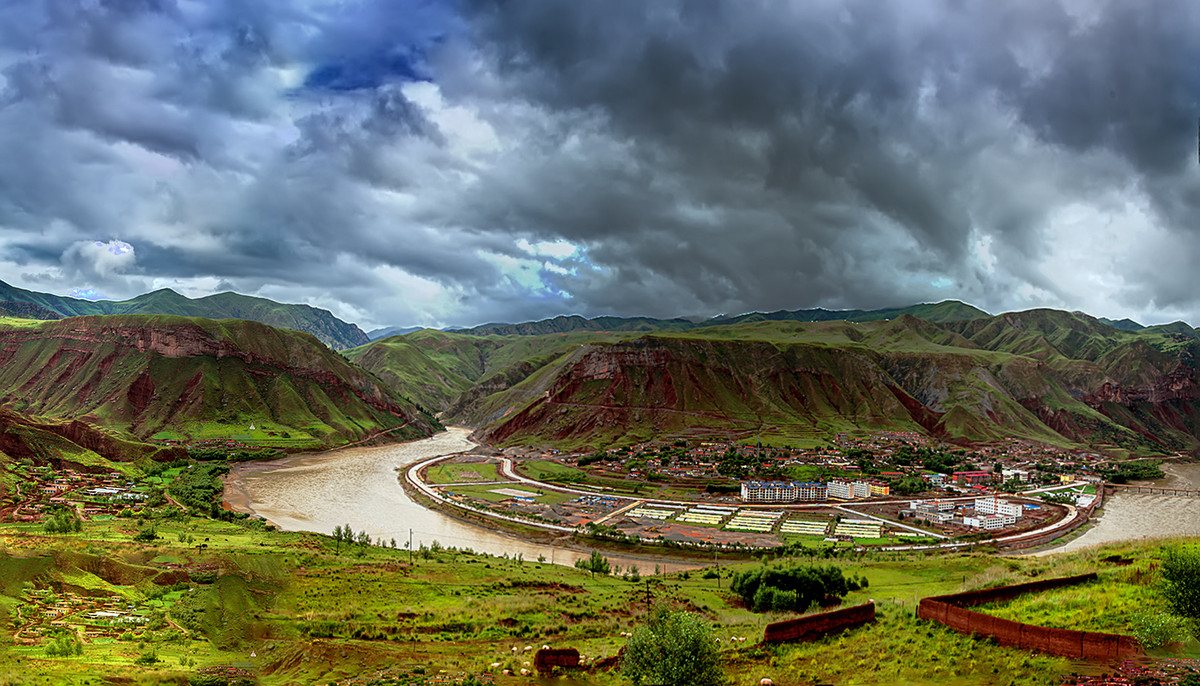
(951, 611)
(815, 626)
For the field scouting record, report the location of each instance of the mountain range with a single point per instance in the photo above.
(330, 330)
(1055, 377)
(947, 370)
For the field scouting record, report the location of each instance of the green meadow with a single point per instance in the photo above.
(299, 608)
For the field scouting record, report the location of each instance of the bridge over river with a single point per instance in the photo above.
(1153, 490)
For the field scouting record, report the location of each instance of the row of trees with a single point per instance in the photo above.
(347, 535)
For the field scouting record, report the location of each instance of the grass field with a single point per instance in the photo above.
(457, 472)
(301, 608)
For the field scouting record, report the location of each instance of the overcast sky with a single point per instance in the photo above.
(442, 163)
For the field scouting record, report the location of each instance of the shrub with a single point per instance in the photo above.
(146, 658)
(1181, 584)
(673, 649)
(1153, 629)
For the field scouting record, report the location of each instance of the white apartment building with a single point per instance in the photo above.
(989, 522)
(994, 505)
(849, 490)
(781, 491)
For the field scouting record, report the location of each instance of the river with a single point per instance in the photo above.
(361, 487)
(1129, 516)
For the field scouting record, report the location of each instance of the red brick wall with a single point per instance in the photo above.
(950, 610)
(815, 626)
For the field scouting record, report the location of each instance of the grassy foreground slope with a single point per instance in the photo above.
(294, 608)
(192, 379)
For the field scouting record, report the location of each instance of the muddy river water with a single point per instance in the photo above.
(361, 487)
(1128, 516)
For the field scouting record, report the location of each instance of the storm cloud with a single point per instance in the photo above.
(448, 164)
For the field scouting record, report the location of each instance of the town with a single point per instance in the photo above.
(887, 489)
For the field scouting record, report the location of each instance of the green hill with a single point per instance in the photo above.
(575, 323)
(168, 377)
(1045, 375)
(321, 323)
(945, 311)
(441, 369)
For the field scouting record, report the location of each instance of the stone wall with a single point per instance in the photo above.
(951, 611)
(815, 626)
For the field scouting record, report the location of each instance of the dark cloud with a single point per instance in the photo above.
(440, 163)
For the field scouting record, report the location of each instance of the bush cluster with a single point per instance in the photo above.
(795, 588)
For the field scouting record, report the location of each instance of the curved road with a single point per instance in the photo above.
(412, 475)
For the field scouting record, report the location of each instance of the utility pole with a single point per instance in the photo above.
(410, 555)
(647, 595)
(717, 566)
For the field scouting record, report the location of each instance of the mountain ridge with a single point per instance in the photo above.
(176, 378)
(330, 330)
(1045, 375)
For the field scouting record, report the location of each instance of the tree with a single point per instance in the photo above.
(673, 649)
(146, 535)
(909, 485)
(1181, 584)
(595, 563)
(337, 536)
(63, 523)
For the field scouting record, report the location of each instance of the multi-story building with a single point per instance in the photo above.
(932, 505)
(880, 488)
(849, 490)
(985, 522)
(781, 491)
(1018, 474)
(976, 478)
(993, 505)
